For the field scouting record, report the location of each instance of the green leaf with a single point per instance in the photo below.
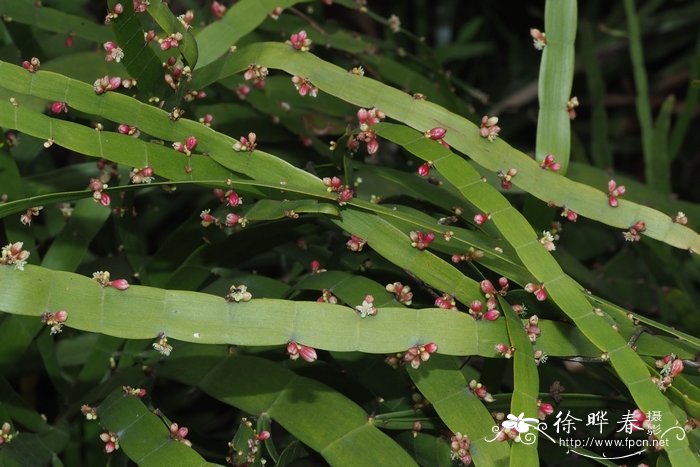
(143, 436)
(320, 417)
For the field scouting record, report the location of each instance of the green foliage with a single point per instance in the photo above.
(272, 316)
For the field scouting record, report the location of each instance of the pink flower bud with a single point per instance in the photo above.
(58, 107)
(476, 306)
(191, 143)
(502, 348)
(431, 347)
(120, 284)
(263, 435)
(676, 368)
(233, 199)
(61, 316)
(437, 133)
(503, 282)
(541, 294)
(487, 287)
(109, 46)
(232, 219)
(492, 315)
(105, 200)
(372, 146)
(119, 8)
(481, 218)
(308, 353)
(114, 83)
(424, 170)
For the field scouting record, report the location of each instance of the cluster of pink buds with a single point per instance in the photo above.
(256, 74)
(106, 83)
(111, 441)
(327, 297)
(367, 118)
(333, 184)
(172, 41)
(13, 254)
(539, 39)
(114, 13)
(189, 145)
(476, 309)
(571, 105)
(420, 239)
(304, 86)
(175, 74)
(149, 36)
(231, 199)
(55, 320)
(670, 366)
(471, 255)
(367, 308)
(424, 169)
(88, 412)
(505, 350)
(179, 433)
(31, 65)
(538, 290)
(162, 346)
(299, 41)
(136, 392)
(140, 6)
(402, 292)
(6, 434)
(345, 195)
(98, 195)
(238, 293)
(632, 235)
(490, 291)
(246, 143)
(207, 119)
(58, 107)
(218, 9)
(459, 445)
(480, 218)
(275, 13)
(144, 175)
(419, 354)
(355, 243)
(295, 351)
(548, 163)
(544, 409)
(480, 391)
(614, 191)
(489, 128)
(532, 328)
(128, 130)
(26, 218)
(192, 95)
(569, 214)
(446, 302)
(103, 278)
(114, 52)
(507, 177)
